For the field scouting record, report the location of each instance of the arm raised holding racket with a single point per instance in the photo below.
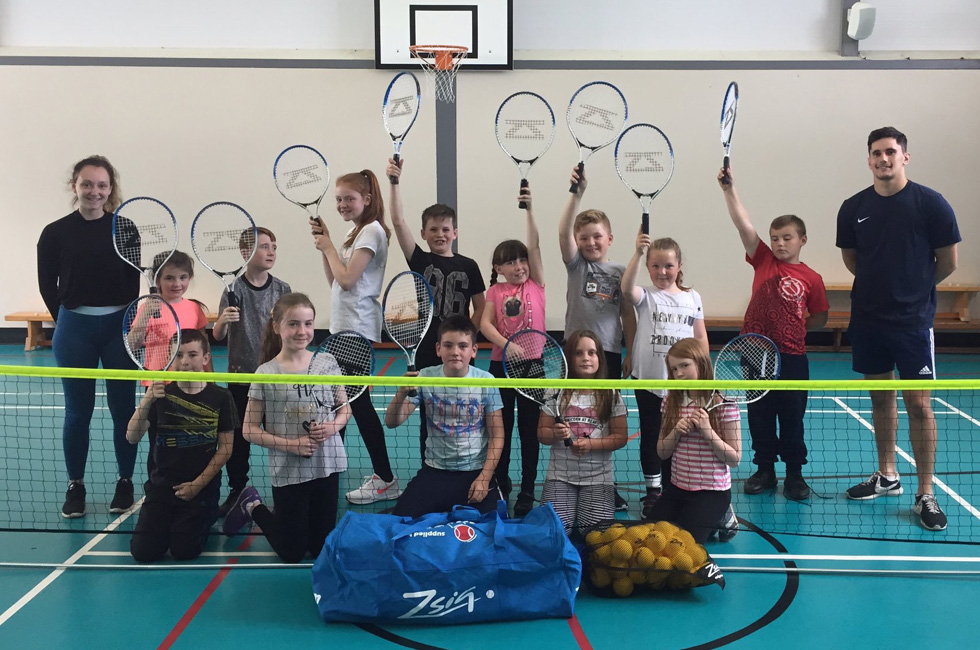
(566, 224)
(534, 261)
(739, 215)
(403, 231)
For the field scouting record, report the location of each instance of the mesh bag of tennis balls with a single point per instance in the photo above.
(626, 557)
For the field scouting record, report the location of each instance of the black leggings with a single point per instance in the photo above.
(648, 406)
(527, 430)
(237, 465)
(305, 514)
(369, 424)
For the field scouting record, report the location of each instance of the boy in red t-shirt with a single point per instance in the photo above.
(788, 299)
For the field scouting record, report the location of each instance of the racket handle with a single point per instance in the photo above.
(523, 204)
(725, 177)
(394, 179)
(413, 392)
(233, 301)
(645, 223)
(559, 420)
(574, 188)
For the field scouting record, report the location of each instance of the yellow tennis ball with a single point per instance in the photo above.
(668, 529)
(600, 577)
(662, 563)
(621, 549)
(655, 542)
(685, 537)
(656, 580)
(644, 558)
(613, 533)
(593, 539)
(636, 534)
(673, 547)
(603, 554)
(683, 562)
(622, 587)
(698, 554)
(618, 564)
(637, 577)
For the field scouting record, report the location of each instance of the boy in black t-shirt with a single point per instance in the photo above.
(191, 426)
(456, 281)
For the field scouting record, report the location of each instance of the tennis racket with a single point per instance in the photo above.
(525, 127)
(142, 229)
(533, 354)
(729, 109)
(302, 177)
(596, 116)
(645, 162)
(223, 237)
(346, 354)
(151, 332)
(747, 357)
(407, 310)
(400, 108)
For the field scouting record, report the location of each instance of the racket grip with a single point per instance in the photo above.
(233, 301)
(725, 177)
(574, 188)
(394, 179)
(568, 441)
(523, 204)
(413, 392)
(645, 223)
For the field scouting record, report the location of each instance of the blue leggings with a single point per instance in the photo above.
(81, 341)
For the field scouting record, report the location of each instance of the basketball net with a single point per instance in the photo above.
(440, 63)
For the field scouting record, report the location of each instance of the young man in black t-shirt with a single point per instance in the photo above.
(456, 281)
(191, 427)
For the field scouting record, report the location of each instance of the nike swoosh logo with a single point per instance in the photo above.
(863, 220)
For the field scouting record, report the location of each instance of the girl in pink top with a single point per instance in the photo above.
(703, 447)
(513, 305)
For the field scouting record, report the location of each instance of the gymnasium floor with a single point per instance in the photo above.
(261, 603)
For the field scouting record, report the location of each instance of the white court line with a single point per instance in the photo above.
(939, 483)
(846, 558)
(957, 411)
(204, 554)
(54, 575)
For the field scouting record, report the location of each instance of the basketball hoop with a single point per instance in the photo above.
(440, 63)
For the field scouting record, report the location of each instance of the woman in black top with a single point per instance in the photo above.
(87, 287)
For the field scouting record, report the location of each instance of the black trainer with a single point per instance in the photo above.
(229, 503)
(621, 504)
(931, 516)
(653, 495)
(728, 526)
(524, 504)
(795, 487)
(122, 500)
(74, 501)
(762, 480)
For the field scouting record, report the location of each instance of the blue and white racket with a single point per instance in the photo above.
(645, 162)
(525, 128)
(596, 116)
(401, 107)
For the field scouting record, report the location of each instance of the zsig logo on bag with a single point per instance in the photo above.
(464, 533)
(435, 606)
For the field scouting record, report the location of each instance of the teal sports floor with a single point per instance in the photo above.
(825, 573)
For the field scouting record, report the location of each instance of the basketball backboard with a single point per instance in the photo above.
(485, 27)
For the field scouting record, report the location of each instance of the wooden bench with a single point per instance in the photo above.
(37, 319)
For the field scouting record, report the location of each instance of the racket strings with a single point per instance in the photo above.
(407, 310)
(748, 358)
(644, 159)
(401, 105)
(535, 355)
(597, 115)
(351, 355)
(223, 237)
(151, 332)
(144, 232)
(301, 175)
(525, 126)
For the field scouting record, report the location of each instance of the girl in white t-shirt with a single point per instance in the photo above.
(703, 445)
(356, 272)
(665, 313)
(579, 483)
(305, 460)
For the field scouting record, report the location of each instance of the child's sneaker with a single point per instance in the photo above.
(875, 487)
(229, 503)
(74, 501)
(122, 500)
(651, 498)
(621, 505)
(930, 514)
(239, 516)
(728, 526)
(524, 504)
(373, 490)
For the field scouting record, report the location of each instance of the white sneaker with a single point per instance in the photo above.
(373, 490)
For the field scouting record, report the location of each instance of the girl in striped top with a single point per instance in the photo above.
(703, 447)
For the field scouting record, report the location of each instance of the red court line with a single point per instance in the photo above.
(579, 633)
(634, 436)
(391, 360)
(189, 615)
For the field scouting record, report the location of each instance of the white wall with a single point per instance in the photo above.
(539, 25)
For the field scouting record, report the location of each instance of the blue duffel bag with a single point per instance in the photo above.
(447, 568)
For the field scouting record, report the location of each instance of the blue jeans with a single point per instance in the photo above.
(82, 341)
